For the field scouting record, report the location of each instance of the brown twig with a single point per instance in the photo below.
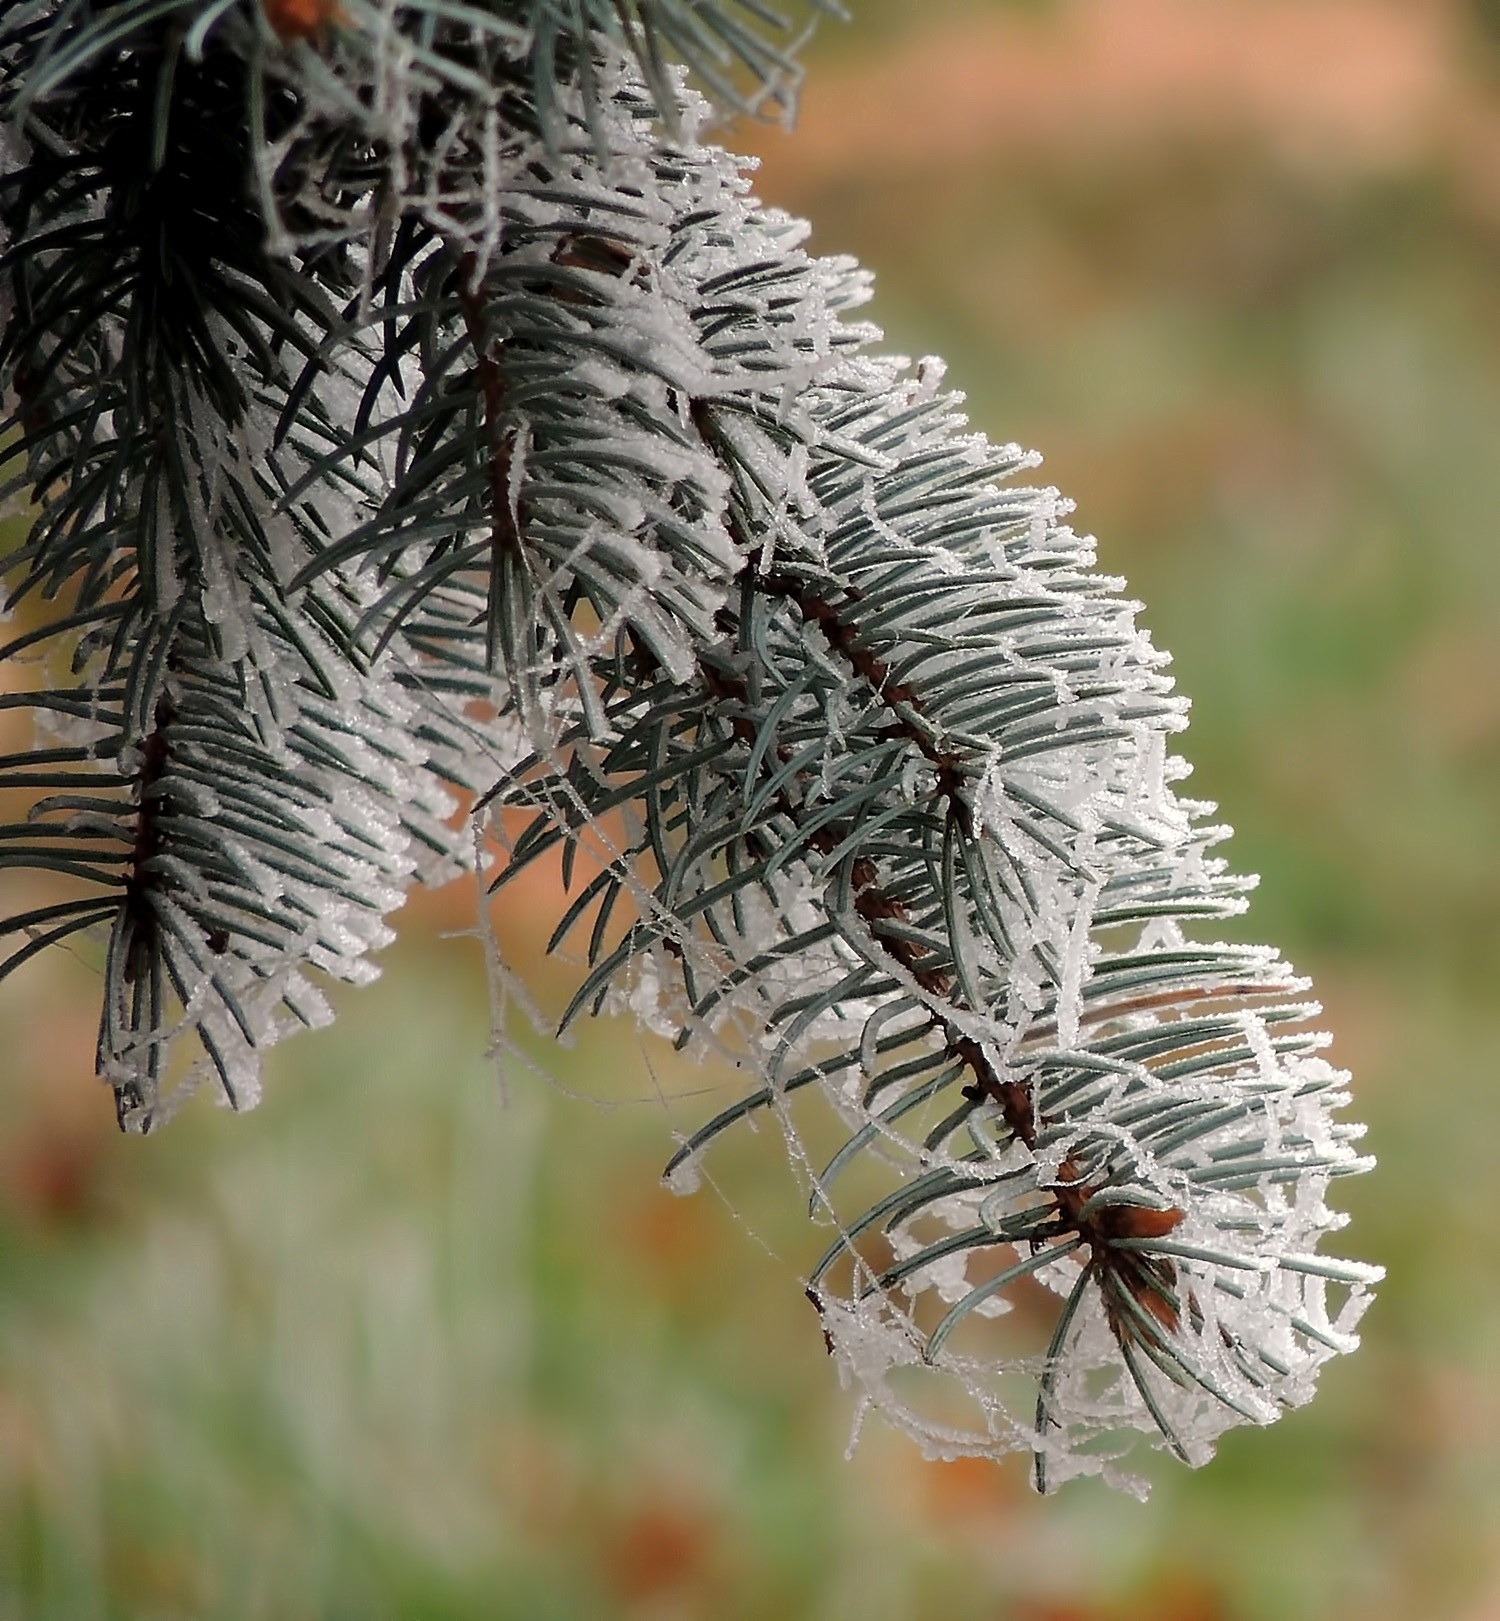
(505, 535)
(149, 837)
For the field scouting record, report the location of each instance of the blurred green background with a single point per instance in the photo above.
(391, 1347)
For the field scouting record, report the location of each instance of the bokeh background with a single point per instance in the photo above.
(411, 1343)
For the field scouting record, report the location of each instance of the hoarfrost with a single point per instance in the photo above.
(875, 763)
(921, 859)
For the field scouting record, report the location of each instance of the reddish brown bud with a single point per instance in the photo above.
(302, 19)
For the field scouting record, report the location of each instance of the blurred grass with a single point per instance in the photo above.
(387, 1348)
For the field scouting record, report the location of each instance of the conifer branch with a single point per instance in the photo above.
(374, 368)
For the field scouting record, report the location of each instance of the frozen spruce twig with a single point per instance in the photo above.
(411, 405)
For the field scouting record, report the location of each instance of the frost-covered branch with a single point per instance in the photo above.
(490, 436)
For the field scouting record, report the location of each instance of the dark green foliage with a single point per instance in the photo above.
(408, 402)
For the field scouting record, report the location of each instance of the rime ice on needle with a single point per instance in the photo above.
(538, 458)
